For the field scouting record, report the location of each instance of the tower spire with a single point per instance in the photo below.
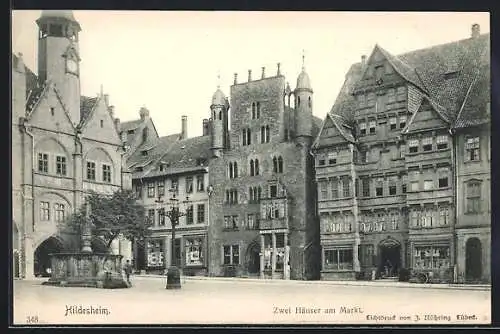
(303, 60)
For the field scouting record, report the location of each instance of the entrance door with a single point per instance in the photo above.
(473, 261)
(390, 258)
(254, 259)
(42, 256)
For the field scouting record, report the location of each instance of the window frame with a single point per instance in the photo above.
(91, 169)
(61, 166)
(43, 162)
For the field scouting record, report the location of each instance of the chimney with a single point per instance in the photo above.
(205, 127)
(111, 110)
(363, 60)
(278, 73)
(184, 127)
(249, 75)
(106, 99)
(117, 124)
(20, 63)
(263, 72)
(235, 78)
(475, 30)
(144, 113)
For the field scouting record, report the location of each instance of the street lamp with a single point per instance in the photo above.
(173, 273)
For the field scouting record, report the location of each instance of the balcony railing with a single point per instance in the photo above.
(274, 223)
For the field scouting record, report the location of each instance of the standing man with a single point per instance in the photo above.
(128, 271)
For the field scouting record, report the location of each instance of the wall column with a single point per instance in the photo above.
(262, 251)
(29, 254)
(286, 268)
(273, 256)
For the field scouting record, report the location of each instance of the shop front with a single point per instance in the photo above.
(431, 262)
(274, 255)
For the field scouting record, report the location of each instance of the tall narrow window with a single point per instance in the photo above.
(61, 165)
(334, 188)
(402, 121)
(235, 169)
(379, 188)
(244, 137)
(275, 165)
(413, 145)
(43, 162)
(151, 217)
(230, 170)
(280, 164)
(273, 189)
(373, 124)
(151, 189)
(401, 94)
(200, 212)
(346, 187)
(444, 216)
(365, 184)
(442, 142)
(253, 111)
(473, 197)
(362, 128)
(200, 183)
(262, 134)
(161, 217)
(189, 215)
(392, 187)
(259, 193)
(443, 178)
(427, 144)
(472, 149)
(258, 109)
(59, 212)
(323, 190)
(268, 134)
(249, 137)
(90, 170)
(391, 95)
(44, 211)
(161, 188)
(106, 173)
(189, 184)
(392, 123)
(256, 166)
(252, 168)
(175, 184)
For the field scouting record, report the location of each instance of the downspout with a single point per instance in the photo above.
(29, 133)
(455, 202)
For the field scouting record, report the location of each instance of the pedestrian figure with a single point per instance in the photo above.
(389, 268)
(128, 271)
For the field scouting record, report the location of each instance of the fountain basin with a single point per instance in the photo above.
(81, 269)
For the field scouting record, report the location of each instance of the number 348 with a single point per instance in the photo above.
(32, 319)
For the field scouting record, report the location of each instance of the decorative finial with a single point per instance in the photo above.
(102, 90)
(303, 59)
(218, 79)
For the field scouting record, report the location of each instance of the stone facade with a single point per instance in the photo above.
(63, 145)
(262, 205)
(392, 182)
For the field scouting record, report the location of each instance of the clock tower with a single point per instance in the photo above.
(58, 57)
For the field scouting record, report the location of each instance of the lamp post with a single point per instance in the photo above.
(173, 273)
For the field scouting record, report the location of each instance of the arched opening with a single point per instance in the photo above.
(253, 258)
(99, 246)
(389, 257)
(473, 259)
(42, 263)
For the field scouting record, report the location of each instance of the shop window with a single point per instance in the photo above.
(194, 251)
(155, 253)
(338, 259)
(431, 257)
(231, 254)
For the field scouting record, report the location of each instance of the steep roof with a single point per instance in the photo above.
(130, 125)
(183, 156)
(475, 110)
(154, 150)
(87, 104)
(443, 74)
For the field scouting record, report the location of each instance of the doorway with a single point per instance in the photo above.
(253, 257)
(473, 260)
(390, 258)
(43, 262)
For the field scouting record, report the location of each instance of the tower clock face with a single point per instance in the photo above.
(72, 66)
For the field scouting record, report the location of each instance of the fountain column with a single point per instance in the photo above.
(86, 232)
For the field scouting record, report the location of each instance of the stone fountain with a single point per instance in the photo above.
(85, 268)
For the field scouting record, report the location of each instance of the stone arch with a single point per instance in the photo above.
(390, 258)
(45, 143)
(99, 245)
(42, 259)
(252, 257)
(97, 153)
(100, 155)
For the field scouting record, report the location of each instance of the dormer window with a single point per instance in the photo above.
(130, 132)
(450, 75)
(144, 153)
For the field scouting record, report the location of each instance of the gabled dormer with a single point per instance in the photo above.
(99, 124)
(429, 116)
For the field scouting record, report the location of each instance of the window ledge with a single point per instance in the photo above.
(471, 161)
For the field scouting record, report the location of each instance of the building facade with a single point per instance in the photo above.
(262, 197)
(402, 162)
(164, 169)
(63, 146)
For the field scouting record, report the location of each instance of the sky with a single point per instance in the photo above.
(170, 61)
